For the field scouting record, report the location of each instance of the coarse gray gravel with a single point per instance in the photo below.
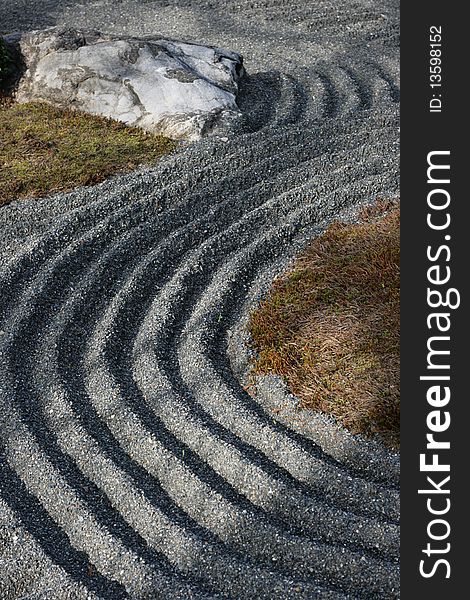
(133, 464)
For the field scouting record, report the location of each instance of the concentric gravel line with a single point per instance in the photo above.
(312, 430)
(117, 202)
(40, 481)
(118, 327)
(133, 462)
(172, 333)
(207, 172)
(101, 376)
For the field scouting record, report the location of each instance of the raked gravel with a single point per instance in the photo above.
(133, 463)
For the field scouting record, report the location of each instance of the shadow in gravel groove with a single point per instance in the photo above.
(217, 352)
(93, 424)
(52, 539)
(272, 99)
(362, 89)
(170, 361)
(96, 501)
(258, 97)
(331, 99)
(70, 342)
(91, 495)
(393, 87)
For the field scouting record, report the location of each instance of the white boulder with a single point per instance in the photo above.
(178, 89)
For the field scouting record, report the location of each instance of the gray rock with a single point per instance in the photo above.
(179, 89)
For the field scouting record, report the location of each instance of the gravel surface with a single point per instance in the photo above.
(133, 464)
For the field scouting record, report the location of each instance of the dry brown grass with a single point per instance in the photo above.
(45, 150)
(331, 325)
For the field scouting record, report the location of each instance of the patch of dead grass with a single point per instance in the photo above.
(44, 150)
(331, 325)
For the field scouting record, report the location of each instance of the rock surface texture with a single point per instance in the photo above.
(181, 90)
(133, 462)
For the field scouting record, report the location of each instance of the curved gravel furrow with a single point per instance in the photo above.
(157, 336)
(133, 462)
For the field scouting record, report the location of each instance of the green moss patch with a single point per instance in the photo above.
(45, 150)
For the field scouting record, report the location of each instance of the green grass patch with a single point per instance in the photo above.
(45, 150)
(331, 325)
